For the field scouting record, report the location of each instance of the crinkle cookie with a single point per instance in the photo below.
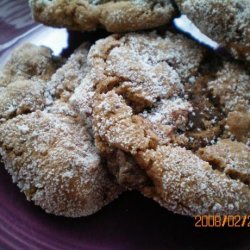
(29, 83)
(29, 62)
(52, 158)
(114, 16)
(144, 68)
(172, 175)
(48, 150)
(23, 80)
(151, 110)
(226, 22)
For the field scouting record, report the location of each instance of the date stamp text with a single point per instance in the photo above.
(222, 221)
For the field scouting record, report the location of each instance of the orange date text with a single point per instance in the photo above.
(222, 221)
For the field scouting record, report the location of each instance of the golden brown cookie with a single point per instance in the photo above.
(46, 147)
(231, 157)
(114, 16)
(231, 29)
(172, 175)
(231, 87)
(53, 160)
(142, 67)
(63, 83)
(148, 105)
(31, 81)
(29, 62)
(151, 73)
(238, 124)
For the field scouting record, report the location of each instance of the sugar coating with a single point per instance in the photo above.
(187, 185)
(231, 157)
(114, 16)
(64, 82)
(46, 147)
(22, 96)
(52, 159)
(173, 111)
(232, 87)
(141, 67)
(112, 117)
(29, 62)
(238, 124)
(32, 81)
(147, 70)
(23, 80)
(134, 113)
(231, 30)
(181, 181)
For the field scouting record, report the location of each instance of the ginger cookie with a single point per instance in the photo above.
(152, 109)
(44, 144)
(231, 30)
(114, 16)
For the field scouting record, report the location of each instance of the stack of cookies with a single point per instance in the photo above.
(151, 111)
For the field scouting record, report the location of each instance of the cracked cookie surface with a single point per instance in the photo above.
(151, 109)
(47, 149)
(176, 177)
(53, 160)
(32, 79)
(141, 67)
(231, 88)
(29, 62)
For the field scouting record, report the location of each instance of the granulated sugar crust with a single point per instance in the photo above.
(142, 67)
(182, 182)
(54, 162)
(231, 87)
(31, 81)
(47, 149)
(29, 62)
(114, 16)
(226, 22)
(146, 100)
(231, 157)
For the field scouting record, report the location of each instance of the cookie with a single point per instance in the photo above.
(148, 101)
(142, 67)
(29, 62)
(54, 162)
(64, 82)
(114, 16)
(47, 149)
(238, 124)
(29, 83)
(231, 30)
(176, 177)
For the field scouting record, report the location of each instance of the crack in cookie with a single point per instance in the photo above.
(231, 88)
(45, 147)
(32, 79)
(182, 182)
(142, 67)
(148, 147)
(230, 157)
